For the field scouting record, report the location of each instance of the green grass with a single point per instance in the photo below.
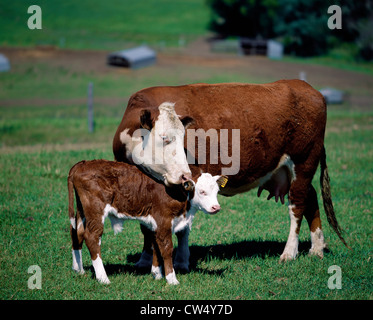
(103, 25)
(239, 260)
(341, 57)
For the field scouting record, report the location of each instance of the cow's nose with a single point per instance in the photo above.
(215, 208)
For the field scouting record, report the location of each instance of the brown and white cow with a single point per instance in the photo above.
(122, 192)
(281, 128)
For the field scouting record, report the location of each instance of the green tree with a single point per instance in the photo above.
(302, 26)
(244, 18)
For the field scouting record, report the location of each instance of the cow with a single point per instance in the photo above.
(122, 192)
(281, 129)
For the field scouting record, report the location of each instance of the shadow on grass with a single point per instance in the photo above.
(238, 250)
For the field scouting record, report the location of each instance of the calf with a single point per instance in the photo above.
(122, 192)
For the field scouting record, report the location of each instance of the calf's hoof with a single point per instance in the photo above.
(157, 273)
(171, 278)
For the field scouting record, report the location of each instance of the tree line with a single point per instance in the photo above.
(301, 25)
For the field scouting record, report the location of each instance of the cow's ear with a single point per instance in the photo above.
(146, 119)
(187, 121)
(221, 181)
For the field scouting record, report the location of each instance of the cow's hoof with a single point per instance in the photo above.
(181, 268)
(145, 261)
(78, 271)
(287, 257)
(104, 280)
(316, 253)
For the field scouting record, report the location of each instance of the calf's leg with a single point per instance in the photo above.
(77, 237)
(92, 238)
(163, 248)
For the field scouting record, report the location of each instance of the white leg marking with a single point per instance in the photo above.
(318, 243)
(100, 270)
(157, 272)
(291, 248)
(181, 261)
(77, 261)
(145, 261)
(171, 278)
(73, 223)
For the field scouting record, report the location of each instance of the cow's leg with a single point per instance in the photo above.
(303, 202)
(165, 248)
(147, 252)
(77, 237)
(291, 248)
(181, 262)
(312, 214)
(92, 237)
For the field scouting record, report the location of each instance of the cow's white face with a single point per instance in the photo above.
(206, 193)
(159, 146)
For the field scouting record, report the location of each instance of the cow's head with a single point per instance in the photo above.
(206, 193)
(158, 147)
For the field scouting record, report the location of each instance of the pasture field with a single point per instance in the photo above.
(235, 254)
(94, 24)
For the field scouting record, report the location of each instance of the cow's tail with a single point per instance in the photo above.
(71, 191)
(327, 198)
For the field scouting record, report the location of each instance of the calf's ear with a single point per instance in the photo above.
(146, 121)
(221, 181)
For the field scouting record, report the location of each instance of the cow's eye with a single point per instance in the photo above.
(166, 139)
(203, 193)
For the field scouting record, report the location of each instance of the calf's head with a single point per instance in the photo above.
(158, 147)
(206, 193)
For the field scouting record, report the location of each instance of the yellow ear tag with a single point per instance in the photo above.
(224, 182)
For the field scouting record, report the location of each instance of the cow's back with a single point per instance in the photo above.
(287, 116)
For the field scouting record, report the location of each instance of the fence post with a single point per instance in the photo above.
(90, 107)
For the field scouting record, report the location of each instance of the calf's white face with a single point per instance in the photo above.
(206, 193)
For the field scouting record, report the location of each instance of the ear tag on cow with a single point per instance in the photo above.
(224, 181)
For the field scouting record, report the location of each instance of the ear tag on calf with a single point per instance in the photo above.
(223, 181)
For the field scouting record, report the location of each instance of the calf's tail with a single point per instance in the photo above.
(327, 198)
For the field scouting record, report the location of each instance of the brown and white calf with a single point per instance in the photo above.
(122, 192)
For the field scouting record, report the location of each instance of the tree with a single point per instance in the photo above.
(301, 25)
(244, 18)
